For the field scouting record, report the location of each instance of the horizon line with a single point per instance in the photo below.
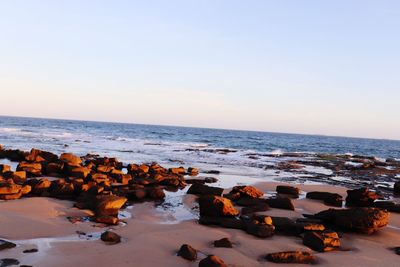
(208, 128)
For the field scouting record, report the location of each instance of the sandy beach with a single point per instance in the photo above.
(148, 241)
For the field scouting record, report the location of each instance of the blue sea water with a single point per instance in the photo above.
(167, 144)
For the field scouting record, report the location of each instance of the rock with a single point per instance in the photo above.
(41, 186)
(280, 203)
(216, 207)
(19, 177)
(31, 168)
(288, 190)
(111, 220)
(156, 193)
(330, 199)
(247, 191)
(110, 237)
(108, 205)
(79, 172)
(7, 188)
(4, 244)
(33, 250)
(99, 177)
(11, 196)
(54, 168)
(300, 257)
(201, 189)
(71, 159)
(223, 243)
(260, 226)
(212, 261)
(192, 171)
(362, 220)
(179, 171)
(362, 197)
(396, 188)
(387, 205)
(287, 226)
(321, 241)
(8, 262)
(4, 168)
(187, 252)
(205, 180)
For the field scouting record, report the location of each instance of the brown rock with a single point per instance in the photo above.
(201, 189)
(362, 197)
(363, 220)
(187, 252)
(4, 168)
(31, 168)
(71, 159)
(179, 171)
(108, 205)
(300, 257)
(80, 172)
(322, 241)
(110, 237)
(4, 244)
(216, 207)
(260, 226)
(223, 243)
(247, 191)
(212, 261)
(288, 190)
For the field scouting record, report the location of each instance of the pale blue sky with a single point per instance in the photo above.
(319, 67)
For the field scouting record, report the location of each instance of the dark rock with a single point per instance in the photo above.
(216, 207)
(260, 226)
(387, 205)
(71, 159)
(223, 243)
(363, 220)
(280, 203)
(321, 241)
(4, 168)
(200, 189)
(6, 244)
(156, 193)
(33, 250)
(31, 168)
(8, 262)
(300, 257)
(362, 197)
(187, 252)
(331, 199)
(212, 261)
(396, 188)
(288, 190)
(110, 237)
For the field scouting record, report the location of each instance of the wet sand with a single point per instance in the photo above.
(151, 236)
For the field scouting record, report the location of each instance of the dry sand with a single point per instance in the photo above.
(148, 241)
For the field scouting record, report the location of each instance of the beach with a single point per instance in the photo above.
(149, 241)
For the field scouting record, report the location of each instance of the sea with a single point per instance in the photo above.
(177, 145)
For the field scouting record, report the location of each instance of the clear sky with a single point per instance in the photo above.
(302, 66)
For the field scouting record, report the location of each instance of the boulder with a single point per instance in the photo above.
(111, 220)
(79, 172)
(212, 261)
(246, 192)
(71, 159)
(300, 257)
(201, 189)
(4, 168)
(322, 241)
(362, 197)
(260, 226)
(223, 243)
(216, 207)
(108, 205)
(31, 168)
(396, 188)
(192, 171)
(362, 220)
(110, 237)
(41, 186)
(387, 205)
(288, 190)
(4, 244)
(179, 171)
(331, 199)
(287, 226)
(280, 203)
(187, 252)
(7, 188)
(53, 168)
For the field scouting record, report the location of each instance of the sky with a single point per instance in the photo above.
(313, 67)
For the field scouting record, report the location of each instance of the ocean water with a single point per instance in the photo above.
(213, 148)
